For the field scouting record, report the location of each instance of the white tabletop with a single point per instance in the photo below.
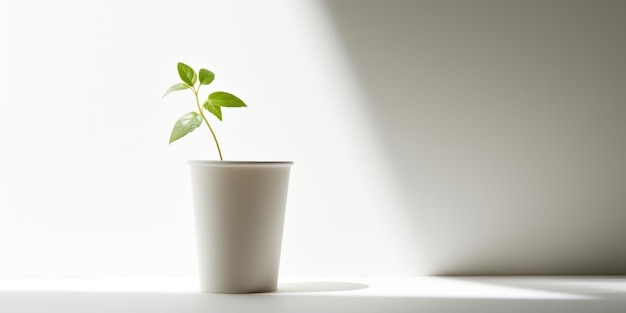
(320, 295)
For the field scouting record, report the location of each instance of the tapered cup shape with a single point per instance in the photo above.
(239, 215)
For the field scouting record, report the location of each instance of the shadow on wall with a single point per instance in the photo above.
(504, 123)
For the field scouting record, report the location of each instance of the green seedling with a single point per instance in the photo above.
(213, 104)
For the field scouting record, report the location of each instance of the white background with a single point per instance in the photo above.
(425, 134)
(89, 185)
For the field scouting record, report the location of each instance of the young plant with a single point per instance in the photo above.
(213, 104)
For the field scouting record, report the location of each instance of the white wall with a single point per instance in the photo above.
(89, 185)
(505, 125)
(419, 130)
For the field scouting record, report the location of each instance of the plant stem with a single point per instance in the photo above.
(219, 151)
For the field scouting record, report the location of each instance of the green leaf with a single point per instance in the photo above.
(185, 124)
(214, 109)
(206, 76)
(187, 74)
(176, 87)
(225, 99)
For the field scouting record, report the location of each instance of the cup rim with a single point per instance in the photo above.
(238, 163)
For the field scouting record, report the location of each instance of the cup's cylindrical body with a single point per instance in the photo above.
(239, 213)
